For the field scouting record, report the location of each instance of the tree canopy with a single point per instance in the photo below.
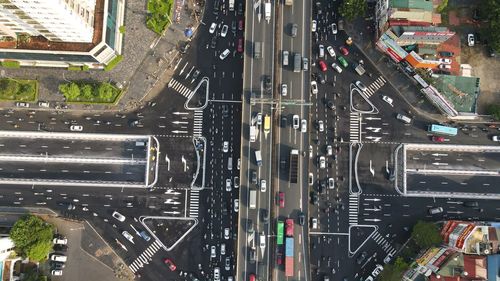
(426, 234)
(489, 11)
(351, 9)
(494, 109)
(32, 237)
(394, 272)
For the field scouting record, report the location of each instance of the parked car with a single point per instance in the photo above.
(344, 51)
(118, 216)
(331, 51)
(337, 67)
(445, 61)
(57, 272)
(314, 87)
(446, 54)
(294, 30)
(470, 40)
(361, 86)
(322, 66)
(170, 264)
(22, 104)
(60, 241)
(76, 128)
(314, 25)
(224, 30)
(128, 236)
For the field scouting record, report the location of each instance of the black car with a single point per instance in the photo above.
(254, 177)
(321, 187)
(331, 105)
(60, 248)
(240, 8)
(57, 265)
(267, 83)
(213, 43)
(446, 54)
(250, 226)
(361, 258)
(225, 111)
(265, 215)
(471, 204)
(314, 198)
(284, 121)
(302, 218)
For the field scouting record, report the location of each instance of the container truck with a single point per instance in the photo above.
(258, 158)
(289, 257)
(294, 165)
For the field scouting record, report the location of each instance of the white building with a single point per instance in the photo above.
(56, 20)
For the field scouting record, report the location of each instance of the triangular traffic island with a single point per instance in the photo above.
(198, 99)
(358, 236)
(360, 102)
(169, 231)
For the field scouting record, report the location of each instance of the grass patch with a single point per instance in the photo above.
(113, 63)
(90, 92)
(18, 89)
(122, 29)
(78, 67)
(10, 64)
(159, 12)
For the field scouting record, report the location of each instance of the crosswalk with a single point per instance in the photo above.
(194, 203)
(145, 257)
(178, 87)
(373, 87)
(353, 208)
(354, 127)
(198, 123)
(381, 241)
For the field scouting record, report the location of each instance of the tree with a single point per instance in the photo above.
(494, 109)
(426, 234)
(490, 12)
(9, 88)
(394, 272)
(351, 9)
(32, 237)
(106, 92)
(70, 90)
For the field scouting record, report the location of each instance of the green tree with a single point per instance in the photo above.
(490, 12)
(9, 88)
(106, 91)
(394, 272)
(351, 9)
(87, 92)
(70, 90)
(426, 234)
(32, 237)
(494, 109)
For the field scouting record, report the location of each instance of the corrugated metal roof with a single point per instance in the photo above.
(413, 4)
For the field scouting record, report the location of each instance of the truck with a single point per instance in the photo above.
(359, 68)
(288, 2)
(258, 158)
(253, 133)
(267, 11)
(231, 5)
(252, 203)
(297, 61)
(257, 47)
(267, 125)
(294, 165)
(289, 256)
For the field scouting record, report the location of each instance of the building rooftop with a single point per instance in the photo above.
(412, 4)
(462, 92)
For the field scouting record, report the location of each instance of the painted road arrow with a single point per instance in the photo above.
(179, 132)
(180, 122)
(180, 113)
(374, 220)
(455, 212)
(372, 118)
(439, 154)
(372, 199)
(171, 212)
(440, 164)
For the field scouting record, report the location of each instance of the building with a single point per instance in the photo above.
(7, 261)
(61, 33)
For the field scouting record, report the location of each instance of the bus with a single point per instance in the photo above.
(280, 233)
(442, 130)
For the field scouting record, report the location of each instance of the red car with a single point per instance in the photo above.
(344, 51)
(437, 139)
(289, 227)
(279, 258)
(170, 264)
(281, 199)
(240, 25)
(251, 277)
(240, 45)
(322, 66)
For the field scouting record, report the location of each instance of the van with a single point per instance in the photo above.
(436, 210)
(403, 118)
(59, 258)
(222, 249)
(285, 58)
(230, 163)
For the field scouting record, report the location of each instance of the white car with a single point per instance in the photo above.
(334, 28)
(43, 104)
(259, 119)
(322, 162)
(236, 205)
(303, 126)
(213, 26)
(22, 104)
(224, 54)
(337, 67)
(331, 51)
(377, 270)
(310, 151)
(361, 86)
(228, 184)
(56, 272)
(128, 236)
(223, 32)
(314, 223)
(331, 183)
(60, 241)
(226, 233)
(76, 128)
(321, 51)
(296, 122)
(263, 185)
(311, 179)
(321, 126)
(495, 138)
(118, 216)
(217, 274)
(445, 66)
(470, 39)
(262, 240)
(212, 252)
(284, 89)
(329, 150)
(314, 26)
(445, 61)
(387, 100)
(225, 147)
(314, 87)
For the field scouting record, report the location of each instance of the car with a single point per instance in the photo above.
(213, 42)
(471, 204)
(495, 138)
(314, 26)
(60, 241)
(262, 240)
(128, 236)
(213, 252)
(334, 28)
(321, 126)
(436, 210)
(314, 87)
(227, 264)
(387, 100)
(22, 104)
(344, 51)
(445, 61)
(337, 67)
(331, 51)
(281, 199)
(240, 8)
(377, 270)
(228, 184)
(445, 66)
(240, 25)
(238, 165)
(361, 258)
(342, 61)
(294, 30)
(331, 183)
(259, 119)
(310, 151)
(225, 146)
(296, 122)
(284, 89)
(322, 162)
(311, 179)
(57, 265)
(216, 274)
(265, 215)
(118, 216)
(252, 277)
(314, 223)
(302, 218)
(224, 54)
(303, 126)
(224, 30)
(236, 205)
(321, 187)
(240, 45)
(446, 54)
(263, 186)
(322, 66)
(279, 258)
(233, 27)
(284, 121)
(470, 40)
(252, 256)
(289, 227)
(437, 139)
(60, 248)
(254, 177)
(226, 233)
(76, 128)
(321, 50)
(329, 150)
(222, 249)
(305, 64)
(56, 272)
(58, 258)
(170, 264)
(285, 56)
(43, 104)
(144, 235)
(236, 181)
(267, 83)
(361, 86)
(213, 26)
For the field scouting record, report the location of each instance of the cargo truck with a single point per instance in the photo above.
(359, 68)
(289, 256)
(258, 158)
(297, 61)
(253, 133)
(267, 125)
(252, 203)
(294, 165)
(257, 46)
(267, 11)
